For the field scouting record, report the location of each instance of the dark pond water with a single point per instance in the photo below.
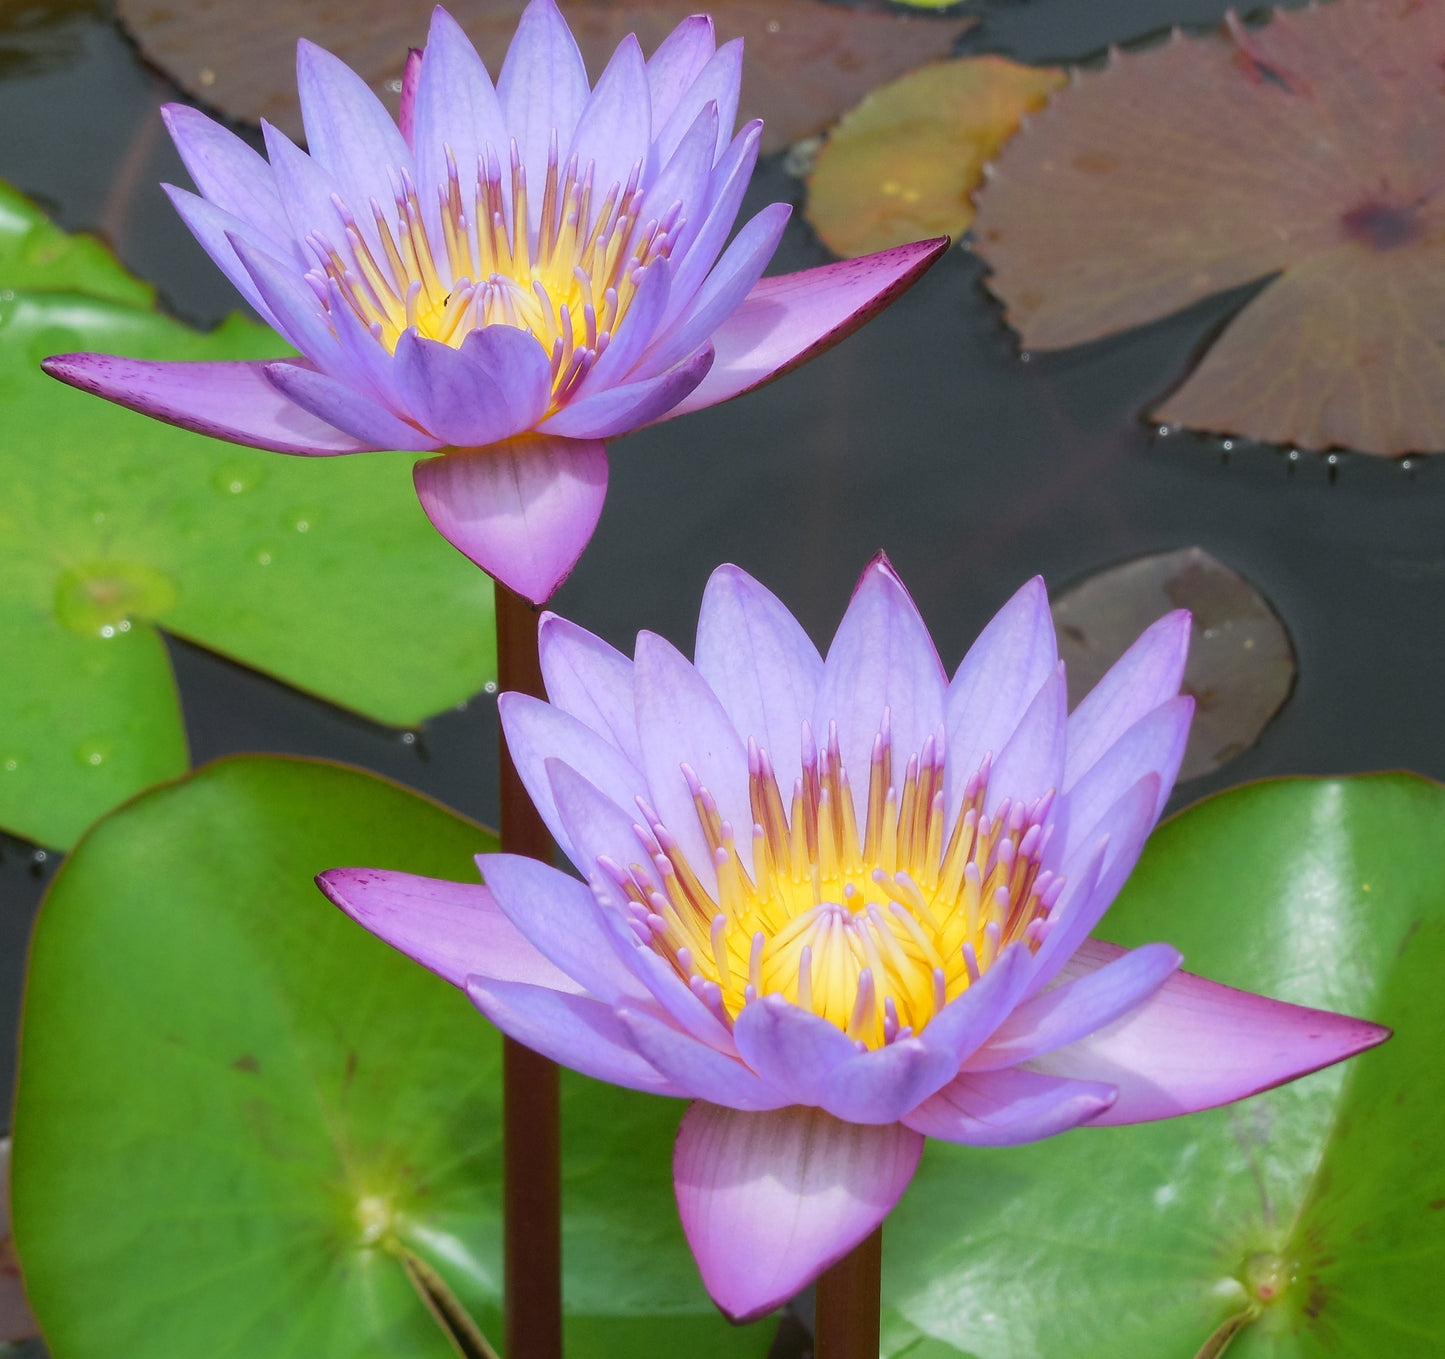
(924, 435)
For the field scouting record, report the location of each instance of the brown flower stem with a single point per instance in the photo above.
(531, 1147)
(846, 1319)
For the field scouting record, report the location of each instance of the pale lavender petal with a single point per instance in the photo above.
(456, 929)
(1031, 762)
(559, 918)
(1095, 872)
(229, 173)
(214, 230)
(406, 106)
(695, 1067)
(537, 732)
(769, 1200)
(735, 276)
(1009, 1108)
(791, 1048)
(1064, 1014)
(614, 128)
(677, 63)
(345, 409)
(575, 1031)
(542, 88)
(232, 401)
(790, 318)
(680, 722)
(1145, 676)
(762, 666)
(453, 394)
(683, 182)
(717, 83)
(298, 312)
(1195, 1044)
(1153, 745)
(595, 826)
(632, 336)
(881, 658)
(456, 109)
(622, 409)
(519, 366)
(368, 362)
(1005, 667)
(882, 1085)
(591, 680)
(307, 191)
(523, 510)
(968, 1021)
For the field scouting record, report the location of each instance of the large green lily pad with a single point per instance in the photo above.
(1306, 1222)
(238, 1111)
(320, 571)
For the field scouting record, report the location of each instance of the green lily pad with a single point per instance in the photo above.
(1303, 1223)
(238, 1112)
(320, 571)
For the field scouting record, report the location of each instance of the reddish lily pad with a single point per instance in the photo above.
(1241, 663)
(806, 62)
(1312, 148)
(903, 164)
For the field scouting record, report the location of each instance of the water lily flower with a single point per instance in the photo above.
(509, 276)
(842, 905)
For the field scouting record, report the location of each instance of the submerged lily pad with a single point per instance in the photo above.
(806, 62)
(1305, 1222)
(321, 572)
(239, 1114)
(903, 165)
(1311, 148)
(1241, 662)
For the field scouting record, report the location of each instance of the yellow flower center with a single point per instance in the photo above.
(570, 283)
(875, 933)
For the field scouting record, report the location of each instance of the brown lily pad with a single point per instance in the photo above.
(1241, 664)
(903, 164)
(806, 61)
(1312, 148)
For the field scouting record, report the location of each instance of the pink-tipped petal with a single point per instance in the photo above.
(346, 409)
(522, 510)
(791, 1048)
(619, 410)
(406, 107)
(789, 318)
(770, 1200)
(697, 1068)
(455, 929)
(677, 63)
(573, 1030)
(1009, 1108)
(590, 680)
(1195, 1044)
(1145, 676)
(1064, 1014)
(232, 401)
(760, 663)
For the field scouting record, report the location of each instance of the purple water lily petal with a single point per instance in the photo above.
(523, 510)
(308, 193)
(229, 174)
(232, 401)
(1009, 1108)
(790, 318)
(488, 390)
(1032, 759)
(883, 1084)
(299, 314)
(342, 407)
(719, 82)
(691, 1065)
(590, 680)
(614, 129)
(770, 1200)
(594, 825)
(1195, 1044)
(406, 101)
(966, 1023)
(619, 359)
(791, 1048)
(573, 1030)
(630, 406)
(677, 63)
(685, 179)
(455, 929)
(214, 230)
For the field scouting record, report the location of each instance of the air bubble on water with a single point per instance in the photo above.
(408, 738)
(1294, 455)
(490, 687)
(1228, 444)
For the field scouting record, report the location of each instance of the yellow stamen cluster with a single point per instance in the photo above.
(569, 280)
(875, 933)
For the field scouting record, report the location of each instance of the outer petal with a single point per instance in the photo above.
(770, 1200)
(214, 230)
(522, 510)
(299, 314)
(1066, 1013)
(576, 1031)
(619, 410)
(882, 658)
(760, 663)
(590, 680)
(454, 928)
(1145, 676)
(1005, 667)
(229, 173)
(1195, 1044)
(1009, 1108)
(345, 409)
(677, 62)
(232, 401)
(693, 1066)
(558, 917)
(789, 318)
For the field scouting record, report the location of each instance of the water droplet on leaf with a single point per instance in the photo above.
(235, 476)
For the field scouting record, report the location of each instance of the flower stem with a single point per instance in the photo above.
(531, 1149)
(846, 1319)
